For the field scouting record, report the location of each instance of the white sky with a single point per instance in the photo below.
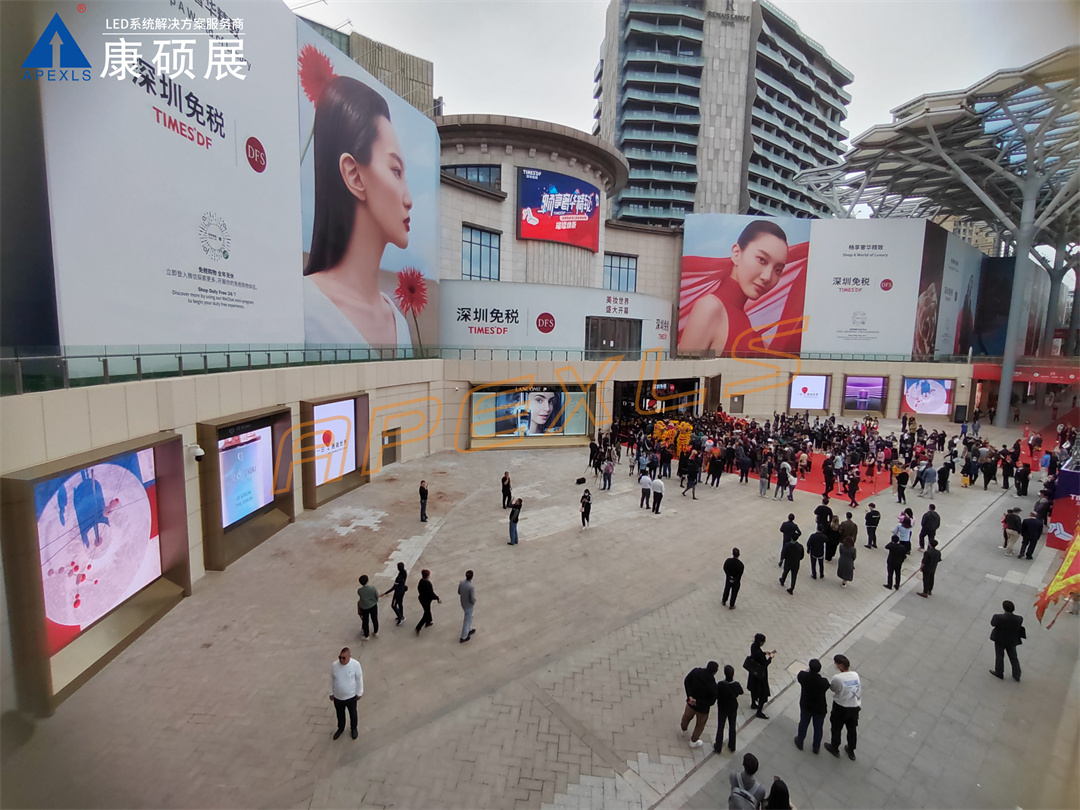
(535, 58)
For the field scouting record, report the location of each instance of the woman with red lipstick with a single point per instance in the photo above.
(718, 321)
(362, 204)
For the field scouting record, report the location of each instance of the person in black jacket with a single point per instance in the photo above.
(812, 704)
(1030, 532)
(757, 682)
(398, 588)
(894, 563)
(873, 519)
(930, 559)
(789, 530)
(700, 686)
(425, 592)
(823, 514)
(902, 479)
(733, 571)
(791, 557)
(815, 547)
(1007, 634)
(727, 708)
(931, 522)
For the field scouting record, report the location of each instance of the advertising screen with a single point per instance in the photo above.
(98, 537)
(335, 440)
(555, 207)
(930, 397)
(743, 283)
(864, 393)
(809, 392)
(247, 473)
(538, 411)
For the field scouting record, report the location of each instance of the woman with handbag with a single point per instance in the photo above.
(757, 682)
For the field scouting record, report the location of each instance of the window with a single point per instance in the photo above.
(479, 254)
(487, 176)
(620, 272)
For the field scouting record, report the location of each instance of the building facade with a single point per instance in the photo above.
(717, 105)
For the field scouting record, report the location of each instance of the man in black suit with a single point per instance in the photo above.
(1030, 532)
(1007, 634)
(790, 558)
(812, 704)
(733, 571)
(789, 530)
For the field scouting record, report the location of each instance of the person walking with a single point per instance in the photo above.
(1030, 532)
(507, 491)
(845, 564)
(515, 515)
(346, 688)
(929, 524)
(930, 559)
(1013, 524)
(832, 538)
(1007, 635)
(425, 592)
(746, 792)
(657, 494)
(815, 547)
(764, 475)
(902, 479)
(423, 501)
(791, 558)
(895, 561)
(368, 606)
(700, 686)
(692, 472)
(929, 480)
(467, 593)
(823, 513)
(733, 571)
(812, 704)
(398, 589)
(789, 530)
(872, 520)
(586, 509)
(646, 489)
(847, 701)
(853, 489)
(757, 682)
(727, 708)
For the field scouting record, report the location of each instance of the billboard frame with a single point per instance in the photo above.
(315, 495)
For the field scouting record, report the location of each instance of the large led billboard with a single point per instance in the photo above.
(743, 284)
(555, 207)
(864, 393)
(809, 392)
(335, 440)
(536, 411)
(247, 472)
(929, 397)
(97, 534)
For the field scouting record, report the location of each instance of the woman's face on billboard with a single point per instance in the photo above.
(541, 405)
(758, 266)
(386, 193)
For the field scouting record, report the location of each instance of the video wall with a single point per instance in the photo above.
(246, 467)
(865, 393)
(97, 531)
(930, 397)
(534, 411)
(556, 207)
(335, 440)
(809, 392)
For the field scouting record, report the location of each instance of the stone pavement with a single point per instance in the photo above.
(570, 692)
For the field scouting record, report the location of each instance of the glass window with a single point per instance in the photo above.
(479, 254)
(487, 176)
(620, 272)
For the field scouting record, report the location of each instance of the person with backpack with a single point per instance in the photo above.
(746, 792)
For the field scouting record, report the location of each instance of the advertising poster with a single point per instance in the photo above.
(927, 397)
(809, 392)
(864, 393)
(171, 170)
(538, 411)
(335, 440)
(959, 298)
(369, 183)
(98, 537)
(494, 314)
(863, 286)
(927, 306)
(555, 207)
(247, 474)
(743, 284)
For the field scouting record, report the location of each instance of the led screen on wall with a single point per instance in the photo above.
(98, 537)
(809, 392)
(537, 411)
(555, 207)
(247, 473)
(335, 440)
(864, 393)
(927, 396)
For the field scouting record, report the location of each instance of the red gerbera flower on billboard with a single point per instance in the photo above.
(411, 294)
(316, 72)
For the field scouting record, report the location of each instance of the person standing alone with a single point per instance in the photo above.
(727, 708)
(733, 571)
(515, 514)
(1007, 635)
(657, 494)
(847, 701)
(346, 688)
(586, 509)
(873, 519)
(930, 559)
(425, 593)
(507, 491)
(467, 594)
(423, 501)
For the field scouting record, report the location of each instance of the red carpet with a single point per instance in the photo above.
(1049, 434)
(814, 484)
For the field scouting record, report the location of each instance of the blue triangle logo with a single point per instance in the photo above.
(71, 55)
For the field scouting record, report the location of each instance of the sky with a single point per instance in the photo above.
(535, 58)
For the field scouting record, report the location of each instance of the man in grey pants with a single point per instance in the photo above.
(468, 600)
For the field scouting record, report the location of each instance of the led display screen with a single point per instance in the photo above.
(558, 208)
(537, 411)
(927, 396)
(809, 392)
(98, 539)
(335, 440)
(864, 393)
(247, 473)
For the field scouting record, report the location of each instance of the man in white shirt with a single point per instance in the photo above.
(657, 494)
(847, 700)
(346, 688)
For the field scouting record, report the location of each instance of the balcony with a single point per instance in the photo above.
(658, 77)
(658, 10)
(683, 32)
(672, 194)
(663, 176)
(658, 156)
(653, 136)
(662, 58)
(662, 117)
(598, 71)
(674, 99)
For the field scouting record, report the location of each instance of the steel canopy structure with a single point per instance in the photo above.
(1005, 151)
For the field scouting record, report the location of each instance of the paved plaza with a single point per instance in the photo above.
(570, 693)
